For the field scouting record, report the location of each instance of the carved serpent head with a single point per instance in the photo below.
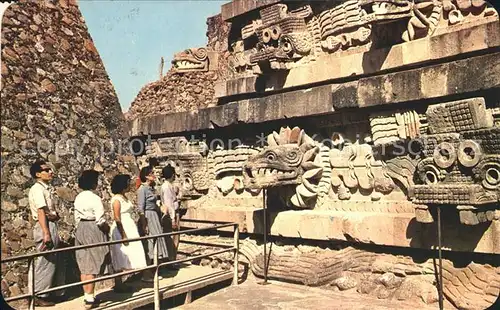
(386, 10)
(192, 59)
(288, 157)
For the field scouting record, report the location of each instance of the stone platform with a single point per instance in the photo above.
(187, 279)
(279, 295)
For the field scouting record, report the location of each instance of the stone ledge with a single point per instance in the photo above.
(390, 229)
(436, 81)
(441, 80)
(456, 41)
(313, 101)
(238, 7)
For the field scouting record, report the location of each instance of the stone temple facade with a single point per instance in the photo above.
(353, 121)
(358, 119)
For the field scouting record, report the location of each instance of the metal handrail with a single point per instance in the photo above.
(31, 257)
(94, 245)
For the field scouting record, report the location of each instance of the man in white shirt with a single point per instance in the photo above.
(169, 195)
(45, 234)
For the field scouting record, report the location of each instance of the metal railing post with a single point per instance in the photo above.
(31, 262)
(236, 253)
(440, 289)
(156, 281)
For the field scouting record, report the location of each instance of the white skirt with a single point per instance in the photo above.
(129, 256)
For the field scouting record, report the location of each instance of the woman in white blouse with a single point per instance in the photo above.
(91, 227)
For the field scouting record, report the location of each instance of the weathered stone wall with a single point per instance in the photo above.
(58, 104)
(186, 91)
(175, 92)
(218, 37)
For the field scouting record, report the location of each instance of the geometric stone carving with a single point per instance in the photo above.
(488, 172)
(344, 25)
(455, 194)
(388, 127)
(282, 36)
(488, 139)
(354, 167)
(458, 116)
(460, 163)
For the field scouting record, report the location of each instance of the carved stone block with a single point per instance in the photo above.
(458, 116)
(283, 36)
(468, 215)
(195, 59)
(291, 158)
(228, 167)
(457, 194)
(423, 215)
(388, 127)
(488, 138)
(355, 167)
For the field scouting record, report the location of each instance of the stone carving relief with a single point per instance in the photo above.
(344, 26)
(402, 169)
(354, 167)
(389, 127)
(386, 276)
(459, 163)
(198, 168)
(188, 158)
(292, 34)
(192, 59)
(228, 168)
(291, 158)
(313, 168)
(424, 19)
(449, 155)
(239, 60)
(282, 36)
(458, 11)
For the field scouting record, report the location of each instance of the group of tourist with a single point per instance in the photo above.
(158, 213)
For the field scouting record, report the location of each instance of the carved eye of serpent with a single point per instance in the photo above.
(271, 156)
(200, 53)
(286, 45)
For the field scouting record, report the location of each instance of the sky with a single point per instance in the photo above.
(132, 36)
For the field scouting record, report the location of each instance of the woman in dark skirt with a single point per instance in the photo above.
(91, 227)
(150, 216)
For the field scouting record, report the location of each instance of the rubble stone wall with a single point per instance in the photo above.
(175, 93)
(57, 104)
